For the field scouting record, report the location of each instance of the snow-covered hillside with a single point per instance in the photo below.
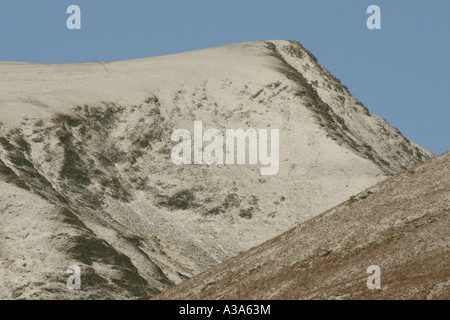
(401, 225)
(93, 141)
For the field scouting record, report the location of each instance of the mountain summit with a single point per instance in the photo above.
(87, 177)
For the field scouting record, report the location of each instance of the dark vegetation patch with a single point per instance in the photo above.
(370, 245)
(135, 240)
(117, 189)
(297, 50)
(135, 284)
(364, 108)
(326, 253)
(16, 154)
(257, 94)
(72, 168)
(247, 213)
(88, 249)
(244, 206)
(98, 117)
(90, 128)
(91, 279)
(232, 200)
(70, 218)
(354, 199)
(183, 276)
(181, 200)
(214, 211)
(18, 150)
(11, 177)
(70, 120)
(21, 142)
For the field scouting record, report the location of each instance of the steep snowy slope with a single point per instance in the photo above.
(39, 241)
(401, 225)
(95, 139)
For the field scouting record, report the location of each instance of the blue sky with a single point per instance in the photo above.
(401, 72)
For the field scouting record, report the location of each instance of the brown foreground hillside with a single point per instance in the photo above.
(402, 225)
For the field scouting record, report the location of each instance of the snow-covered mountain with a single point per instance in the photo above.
(87, 176)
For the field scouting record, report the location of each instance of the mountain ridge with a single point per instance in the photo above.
(93, 141)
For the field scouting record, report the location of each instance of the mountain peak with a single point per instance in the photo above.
(93, 142)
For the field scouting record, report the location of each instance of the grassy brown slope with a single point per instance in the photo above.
(402, 225)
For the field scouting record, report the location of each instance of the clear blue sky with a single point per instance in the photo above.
(401, 72)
